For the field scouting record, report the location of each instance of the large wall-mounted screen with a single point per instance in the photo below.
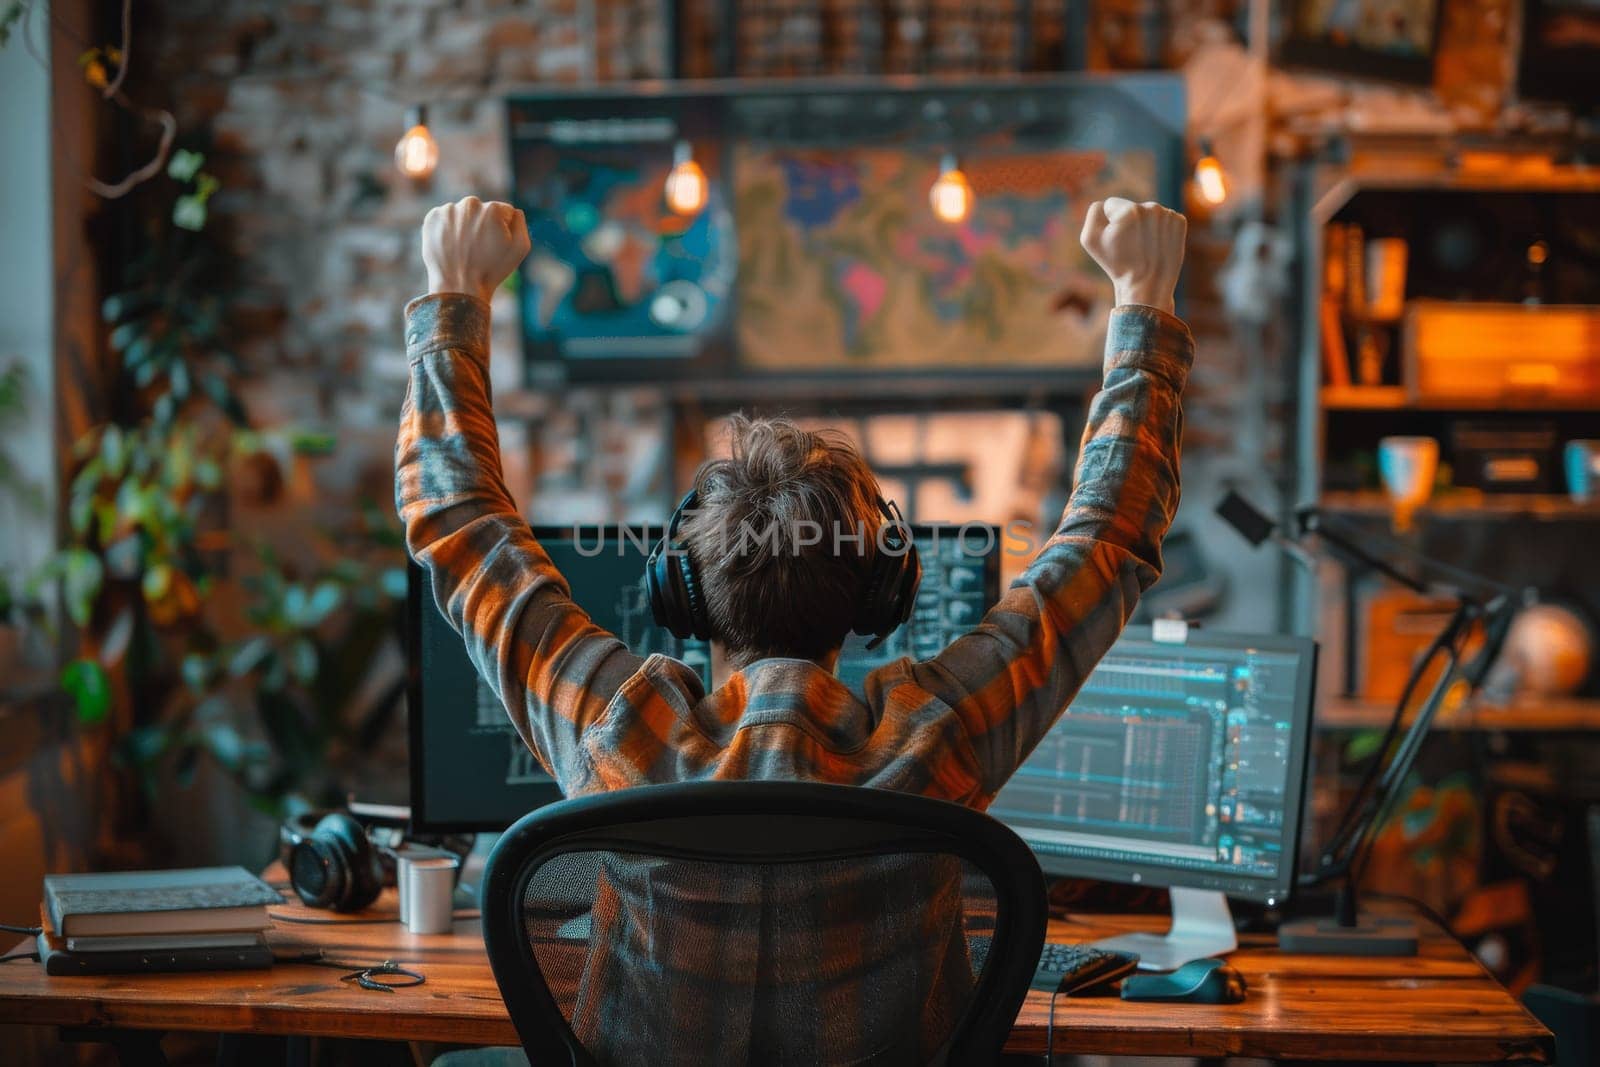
(814, 250)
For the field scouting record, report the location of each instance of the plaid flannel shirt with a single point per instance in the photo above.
(955, 726)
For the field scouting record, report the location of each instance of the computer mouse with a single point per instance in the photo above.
(1196, 982)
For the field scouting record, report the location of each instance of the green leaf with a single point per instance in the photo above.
(179, 376)
(185, 164)
(303, 661)
(248, 656)
(312, 443)
(196, 671)
(189, 213)
(113, 451)
(1363, 745)
(225, 744)
(394, 583)
(294, 605)
(156, 583)
(125, 335)
(81, 583)
(90, 688)
(325, 599)
(80, 512)
(207, 474)
(166, 406)
(125, 556)
(216, 387)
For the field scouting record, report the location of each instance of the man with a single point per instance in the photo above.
(955, 726)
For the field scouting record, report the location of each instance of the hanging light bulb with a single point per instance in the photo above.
(687, 189)
(1209, 180)
(417, 154)
(951, 195)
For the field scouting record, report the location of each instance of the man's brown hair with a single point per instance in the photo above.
(773, 539)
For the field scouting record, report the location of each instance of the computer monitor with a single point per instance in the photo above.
(1180, 765)
(470, 770)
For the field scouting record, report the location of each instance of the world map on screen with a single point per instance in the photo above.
(842, 264)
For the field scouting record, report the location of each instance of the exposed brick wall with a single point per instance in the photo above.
(306, 101)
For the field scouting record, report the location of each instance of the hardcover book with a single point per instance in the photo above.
(192, 901)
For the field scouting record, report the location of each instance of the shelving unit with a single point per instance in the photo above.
(1541, 539)
(1553, 715)
(1467, 504)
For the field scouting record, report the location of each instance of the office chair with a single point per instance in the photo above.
(772, 923)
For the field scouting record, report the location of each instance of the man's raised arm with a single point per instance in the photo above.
(1011, 678)
(551, 666)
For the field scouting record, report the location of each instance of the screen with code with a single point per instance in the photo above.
(1185, 758)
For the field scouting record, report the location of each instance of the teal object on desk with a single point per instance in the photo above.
(1197, 982)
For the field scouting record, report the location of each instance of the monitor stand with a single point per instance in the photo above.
(1202, 927)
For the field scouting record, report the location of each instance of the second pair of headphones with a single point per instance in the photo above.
(677, 600)
(333, 864)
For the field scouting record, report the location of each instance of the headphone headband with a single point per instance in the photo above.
(887, 596)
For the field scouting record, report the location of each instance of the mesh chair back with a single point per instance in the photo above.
(769, 923)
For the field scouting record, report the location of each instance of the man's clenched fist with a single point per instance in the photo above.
(1140, 246)
(470, 246)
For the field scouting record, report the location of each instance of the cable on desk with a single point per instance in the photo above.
(1050, 1032)
(367, 976)
(307, 920)
(1426, 909)
(31, 931)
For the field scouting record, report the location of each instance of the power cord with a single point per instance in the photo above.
(306, 920)
(1050, 1032)
(30, 931)
(367, 976)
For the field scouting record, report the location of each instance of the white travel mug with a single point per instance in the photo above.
(427, 886)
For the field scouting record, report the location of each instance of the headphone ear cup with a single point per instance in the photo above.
(336, 866)
(697, 619)
(656, 589)
(891, 587)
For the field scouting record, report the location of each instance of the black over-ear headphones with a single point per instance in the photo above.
(336, 866)
(678, 603)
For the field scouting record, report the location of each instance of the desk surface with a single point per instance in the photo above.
(1438, 1006)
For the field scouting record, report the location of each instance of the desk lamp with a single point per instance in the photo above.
(1347, 932)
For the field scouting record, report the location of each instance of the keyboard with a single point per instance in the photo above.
(1073, 969)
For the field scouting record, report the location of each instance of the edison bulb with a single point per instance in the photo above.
(687, 189)
(1210, 181)
(951, 196)
(417, 154)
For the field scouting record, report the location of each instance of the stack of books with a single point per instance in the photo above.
(199, 919)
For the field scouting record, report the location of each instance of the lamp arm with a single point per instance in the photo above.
(1383, 777)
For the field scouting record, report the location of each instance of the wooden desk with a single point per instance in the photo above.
(1439, 1006)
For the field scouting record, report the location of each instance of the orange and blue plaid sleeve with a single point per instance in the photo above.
(1010, 678)
(551, 666)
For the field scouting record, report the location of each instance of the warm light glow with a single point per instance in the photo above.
(1210, 181)
(417, 154)
(951, 196)
(687, 189)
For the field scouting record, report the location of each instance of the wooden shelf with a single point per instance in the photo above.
(1554, 715)
(1365, 397)
(1468, 504)
(1398, 398)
